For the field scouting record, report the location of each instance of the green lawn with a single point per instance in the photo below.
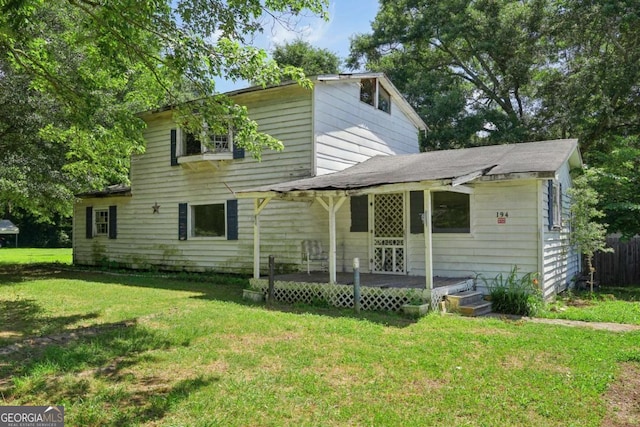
(35, 255)
(194, 354)
(607, 304)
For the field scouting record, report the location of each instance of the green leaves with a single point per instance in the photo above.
(95, 65)
(311, 60)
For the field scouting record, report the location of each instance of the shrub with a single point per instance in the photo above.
(512, 294)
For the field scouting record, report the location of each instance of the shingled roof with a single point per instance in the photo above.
(542, 158)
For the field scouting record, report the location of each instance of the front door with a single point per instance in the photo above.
(389, 244)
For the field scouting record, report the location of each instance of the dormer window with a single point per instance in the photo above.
(372, 93)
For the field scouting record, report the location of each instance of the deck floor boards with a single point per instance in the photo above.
(369, 279)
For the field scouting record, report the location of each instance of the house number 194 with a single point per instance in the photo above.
(502, 217)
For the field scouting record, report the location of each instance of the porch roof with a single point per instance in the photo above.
(542, 158)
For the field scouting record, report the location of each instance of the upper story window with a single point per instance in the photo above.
(191, 145)
(188, 147)
(372, 93)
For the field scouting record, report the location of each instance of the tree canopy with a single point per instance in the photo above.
(502, 71)
(74, 74)
(313, 61)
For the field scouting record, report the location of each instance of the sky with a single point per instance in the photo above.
(346, 18)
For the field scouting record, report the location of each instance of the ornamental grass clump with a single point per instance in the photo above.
(514, 294)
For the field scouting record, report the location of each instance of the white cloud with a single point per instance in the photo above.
(311, 29)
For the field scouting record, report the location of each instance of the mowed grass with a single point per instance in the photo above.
(606, 304)
(194, 354)
(9, 256)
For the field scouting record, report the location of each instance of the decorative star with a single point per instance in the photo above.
(156, 208)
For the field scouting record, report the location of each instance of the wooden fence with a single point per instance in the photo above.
(620, 268)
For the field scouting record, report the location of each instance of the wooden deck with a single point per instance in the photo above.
(369, 279)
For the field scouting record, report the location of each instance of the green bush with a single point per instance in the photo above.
(513, 294)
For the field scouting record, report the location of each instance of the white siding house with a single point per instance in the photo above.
(491, 209)
(324, 129)
(351, 181)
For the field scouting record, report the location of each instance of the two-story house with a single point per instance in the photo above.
(350, 183)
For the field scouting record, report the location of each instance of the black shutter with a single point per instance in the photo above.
(359, 214)
(174, 147)
(238, 152)
(232, 219)
(113, 222)
(182, 221)
(416, 208)
(89, 222)
(550, 202)
(560, 204)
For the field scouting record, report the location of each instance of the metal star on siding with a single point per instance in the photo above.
(156, 208)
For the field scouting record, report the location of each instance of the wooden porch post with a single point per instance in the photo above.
(428, 255)
(258, 205)
(332, 208)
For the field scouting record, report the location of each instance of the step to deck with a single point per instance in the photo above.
(476, 309)
(463, 298)
(469, 303)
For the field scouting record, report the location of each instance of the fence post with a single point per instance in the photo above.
(272, 269)
(356, 284)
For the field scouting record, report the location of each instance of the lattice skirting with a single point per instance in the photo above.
(389, 299)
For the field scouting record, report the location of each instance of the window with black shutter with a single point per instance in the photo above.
(182, 221)
(232, 219)
(89, 222)
(113, 222)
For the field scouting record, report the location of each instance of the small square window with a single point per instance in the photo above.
(102, 222)
(208, 220)
(451, 213)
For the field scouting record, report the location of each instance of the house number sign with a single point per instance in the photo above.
(502, 217)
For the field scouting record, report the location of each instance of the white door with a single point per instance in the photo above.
(389, 243)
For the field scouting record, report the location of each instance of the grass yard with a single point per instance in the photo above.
(607, 304)
(194, 354)
(9, 256)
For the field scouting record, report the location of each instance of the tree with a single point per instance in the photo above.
(503, 71)
(98, 64)
(617, 177)
(311, 60)
(587, 235)
(477, 58)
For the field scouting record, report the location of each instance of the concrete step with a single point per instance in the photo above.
(478, 308)
(465, 298)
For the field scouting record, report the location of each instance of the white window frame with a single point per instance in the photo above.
(206, 153)
(101, 228)
(191, 221)
(378, 88)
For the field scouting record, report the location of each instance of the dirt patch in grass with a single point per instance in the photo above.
(623, 398)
